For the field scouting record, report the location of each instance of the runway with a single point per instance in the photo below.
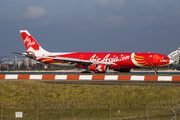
(96, 79)
(71, 72)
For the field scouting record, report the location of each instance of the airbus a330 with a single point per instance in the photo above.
(96, 62)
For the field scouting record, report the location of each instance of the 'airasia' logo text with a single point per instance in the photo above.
(28, 42)
(107, 58)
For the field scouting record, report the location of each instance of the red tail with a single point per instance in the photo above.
(29, 42)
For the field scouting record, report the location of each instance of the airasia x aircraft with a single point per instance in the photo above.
(97, 62)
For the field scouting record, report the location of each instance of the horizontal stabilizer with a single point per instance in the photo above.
(23, 54)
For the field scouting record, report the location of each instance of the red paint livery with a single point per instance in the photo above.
(97, 62)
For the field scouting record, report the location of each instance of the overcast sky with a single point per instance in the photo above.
(91, 25)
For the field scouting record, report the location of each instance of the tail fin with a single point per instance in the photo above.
(31, 44)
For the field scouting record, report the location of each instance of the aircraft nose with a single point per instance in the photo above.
(171, 62)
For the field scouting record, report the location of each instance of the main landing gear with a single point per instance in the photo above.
(86, 71)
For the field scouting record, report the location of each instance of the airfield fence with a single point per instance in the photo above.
(90, 110)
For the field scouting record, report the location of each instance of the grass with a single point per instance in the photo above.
(36, 91)
(90, 101)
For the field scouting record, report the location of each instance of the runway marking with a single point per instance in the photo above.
(60, 77)
(124, 77)
(85, 77)
(48, 77)
(23, 76)
(2, 76)
(175, 78)
(11, 76)
(150, 78)
(91, 77)
(111, 77)
(73, 77)
(164, 78)
(38, 77)
(98, 77)
(138, 78)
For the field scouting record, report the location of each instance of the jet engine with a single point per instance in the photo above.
(98, 68)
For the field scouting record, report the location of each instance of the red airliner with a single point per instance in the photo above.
(97, 62)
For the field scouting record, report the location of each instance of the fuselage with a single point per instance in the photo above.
(97, 62)
(116, 60)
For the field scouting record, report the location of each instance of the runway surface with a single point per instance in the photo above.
(116, 73)
(110, 78)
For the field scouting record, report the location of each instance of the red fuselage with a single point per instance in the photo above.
(98, 62)
(113, 60)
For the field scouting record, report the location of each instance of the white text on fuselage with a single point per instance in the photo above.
(109, 59)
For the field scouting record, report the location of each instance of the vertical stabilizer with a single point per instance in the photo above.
(31, 44)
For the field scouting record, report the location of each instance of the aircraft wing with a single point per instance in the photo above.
(67, 60)
(79, 61)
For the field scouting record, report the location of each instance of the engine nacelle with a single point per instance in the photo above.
(98, 68)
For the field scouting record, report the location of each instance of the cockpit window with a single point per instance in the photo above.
(165, 58)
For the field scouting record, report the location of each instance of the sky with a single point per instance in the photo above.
(91, 25)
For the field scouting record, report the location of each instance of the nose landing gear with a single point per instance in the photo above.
(156, 72)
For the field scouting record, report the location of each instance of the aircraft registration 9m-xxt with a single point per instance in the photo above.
(97, 62)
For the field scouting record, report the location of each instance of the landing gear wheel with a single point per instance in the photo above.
(85, 72)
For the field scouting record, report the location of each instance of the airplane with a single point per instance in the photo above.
(96, 62)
